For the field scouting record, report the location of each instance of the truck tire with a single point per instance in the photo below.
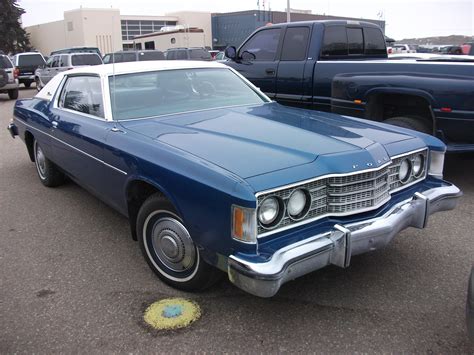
(415, 123)
(3, 78)
(13, 94)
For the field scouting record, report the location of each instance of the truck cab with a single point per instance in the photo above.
(280, 59)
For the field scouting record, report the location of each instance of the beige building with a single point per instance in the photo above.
(110, 31)
(185, 37)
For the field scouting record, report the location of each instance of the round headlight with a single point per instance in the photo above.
(268, 211)
(418, 165)
(296, 203)
(405, 171)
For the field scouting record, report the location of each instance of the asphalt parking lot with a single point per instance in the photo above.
(73, 281)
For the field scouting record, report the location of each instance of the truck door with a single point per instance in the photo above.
(257, 59)
(291, 67)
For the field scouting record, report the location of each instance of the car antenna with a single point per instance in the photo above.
(114, 128)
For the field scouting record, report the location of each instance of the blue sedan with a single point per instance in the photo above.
(215, 177)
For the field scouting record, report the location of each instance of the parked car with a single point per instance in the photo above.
(470, 306)
(402, 48)
(77, 50)
(62, 62)
(342, 66)
(468, 48)
(27, 63)
(8, 78)
(451, 50)
(214, 175)
(133, 56)
(188, 54)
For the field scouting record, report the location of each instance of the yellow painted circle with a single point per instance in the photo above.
(172, 313)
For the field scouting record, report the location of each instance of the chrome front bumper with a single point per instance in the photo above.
(339, 244)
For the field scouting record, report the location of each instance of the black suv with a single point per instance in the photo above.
(132, 56)
(27, 63)
(188, 54)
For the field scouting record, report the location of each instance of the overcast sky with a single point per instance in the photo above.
(404, 18)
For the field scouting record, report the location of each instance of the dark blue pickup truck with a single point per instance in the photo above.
(342, 66)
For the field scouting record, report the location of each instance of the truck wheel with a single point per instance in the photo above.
(27, 84)
(419, 124)
(169, 249)
(48, 173)
(13, 94)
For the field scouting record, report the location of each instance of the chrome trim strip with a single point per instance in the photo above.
(371, 208)
(77, 149)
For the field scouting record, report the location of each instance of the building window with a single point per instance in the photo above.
(173, 40)
(70, 26)
(150, 45)
(132, 28)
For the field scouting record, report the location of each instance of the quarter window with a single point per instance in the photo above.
(295, 43)
(63, 62)
(83, 94)
(263, 45)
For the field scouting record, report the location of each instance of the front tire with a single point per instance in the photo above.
(169, 249)
(13, 94)
(48, 173)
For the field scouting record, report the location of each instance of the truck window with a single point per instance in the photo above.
(263, 45)
(374, 41)
(355, 41)
(295, 43)
(335, 41)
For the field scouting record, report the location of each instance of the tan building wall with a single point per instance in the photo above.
(47, 37)
(173, 40)
(196, 19)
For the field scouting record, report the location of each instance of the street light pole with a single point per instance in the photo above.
(288, 19)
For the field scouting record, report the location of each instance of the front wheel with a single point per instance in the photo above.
(416, 123)
(169, 249)
(13, 94)
(48, 173)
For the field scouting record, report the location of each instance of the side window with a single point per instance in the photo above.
(49, 62)
(295, 43)
(83, 94)
(63, 62)
(335, 41)
(106, 59)
(355, 40)
(263, 45)
(55, 62)
(374, 41)
(181, 55)
(129, 57)
(171, 55)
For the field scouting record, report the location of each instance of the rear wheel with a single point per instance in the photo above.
(13, 94)
(38, 84)
(27, 84)
(48, 173)
(419, 124)
(169, 249)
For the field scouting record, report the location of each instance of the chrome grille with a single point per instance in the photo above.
(346, 194)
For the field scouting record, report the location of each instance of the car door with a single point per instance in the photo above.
(64, 63)
(50, 70)
(257, 59)
(291, 67)
(79, 130)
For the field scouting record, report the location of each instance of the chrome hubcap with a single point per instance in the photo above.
(40, 162)
(173, 244)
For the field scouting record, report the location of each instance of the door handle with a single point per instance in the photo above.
(55, 124)
(270, 71)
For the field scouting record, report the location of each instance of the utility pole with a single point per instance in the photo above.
(288, 17)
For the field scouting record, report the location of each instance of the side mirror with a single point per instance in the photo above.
(231, 53)
(248, 56)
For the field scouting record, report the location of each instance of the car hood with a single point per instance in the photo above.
(253, 140)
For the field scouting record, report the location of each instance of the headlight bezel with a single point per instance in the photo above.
(409, 171)
(307, 204)
(279, 215)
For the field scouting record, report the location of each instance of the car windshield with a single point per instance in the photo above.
(149, 94)
(5, 62)
(85, 59)
(30, 60)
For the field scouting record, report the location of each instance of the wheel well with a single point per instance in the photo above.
(29, 140)
(137, 192)
(381, 107)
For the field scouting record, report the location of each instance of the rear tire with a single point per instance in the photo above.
(38, 84)
(48, 173)
(27, 84)
(13, 94)
(415, 123)
(168, 248)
